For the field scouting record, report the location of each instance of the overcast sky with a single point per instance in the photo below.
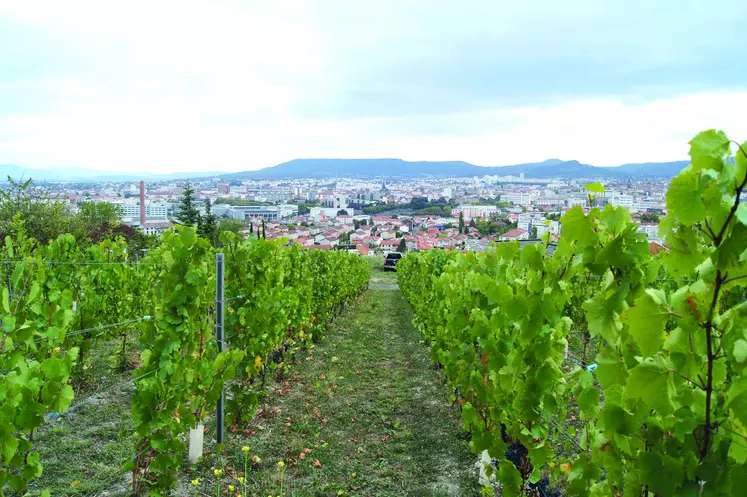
(235, 85)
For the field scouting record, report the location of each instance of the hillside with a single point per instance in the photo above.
(326, 168)
(552, 168)
(654, 169)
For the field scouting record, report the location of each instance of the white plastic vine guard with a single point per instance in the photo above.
(195, 443)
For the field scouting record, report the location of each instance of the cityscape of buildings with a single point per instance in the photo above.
(379, 216)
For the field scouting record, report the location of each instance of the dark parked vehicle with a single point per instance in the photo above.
(390, 261)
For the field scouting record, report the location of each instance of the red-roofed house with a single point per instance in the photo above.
(517, 234)
(655, 248)
(390, 244)
(156, 228)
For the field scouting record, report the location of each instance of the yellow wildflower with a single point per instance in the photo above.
(242, 479)
(245, 449)
(281, 464)
(217, 472)
(231, 488)
(195, 482)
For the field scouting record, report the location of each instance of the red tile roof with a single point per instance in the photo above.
(514, 233)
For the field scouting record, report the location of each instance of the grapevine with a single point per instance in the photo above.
(655, 403)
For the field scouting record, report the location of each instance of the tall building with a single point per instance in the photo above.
(224, 188)
(142, 203)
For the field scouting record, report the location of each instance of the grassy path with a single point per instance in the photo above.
(365, 408)
(367, 411)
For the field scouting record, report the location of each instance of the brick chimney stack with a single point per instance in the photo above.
(142, 203)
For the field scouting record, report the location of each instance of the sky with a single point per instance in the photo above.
(214, 85)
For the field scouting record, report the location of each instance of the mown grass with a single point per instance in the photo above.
(83, 450)
(365, 408)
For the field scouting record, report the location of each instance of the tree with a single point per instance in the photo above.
(402, 247)
(342, 212)
(97, 220)
(264, 233)
(650, 217)
(232, 225)
(188, 214)
(43, 216)
(533, 234)
(304, 224)
(356, 224)
(364, 222)
(207, 225)
(418, 203)
(461, 222)
(140, 241)
(93, 214)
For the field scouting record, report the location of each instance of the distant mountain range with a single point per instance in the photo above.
(78, 174)
(552, 168)
(390, 168)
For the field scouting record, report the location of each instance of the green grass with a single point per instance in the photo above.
(82, 451)
(378, 275)
(367, 406)
(366, 402)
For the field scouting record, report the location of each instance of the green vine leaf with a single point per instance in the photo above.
(647, 320)
(708, 149)
(651, 381)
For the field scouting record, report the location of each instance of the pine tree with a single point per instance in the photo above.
(402, 247)
(207, 226)
(461, 223)
(264, 233)
(188, 214)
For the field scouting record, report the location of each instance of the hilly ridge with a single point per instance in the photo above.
(387, 167)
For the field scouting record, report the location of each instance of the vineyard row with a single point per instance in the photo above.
(603, 368)
(62, 300)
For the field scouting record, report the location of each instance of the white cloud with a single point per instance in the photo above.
(207, 85)
(168, 135)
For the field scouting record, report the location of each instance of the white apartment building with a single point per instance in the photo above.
(518, 198)
(545, 226)
(651, 230)
(317, 212)
(475, 211)
(624, 201)
(529, 219)
(549, 201)
(642, 205)
(152, 211)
